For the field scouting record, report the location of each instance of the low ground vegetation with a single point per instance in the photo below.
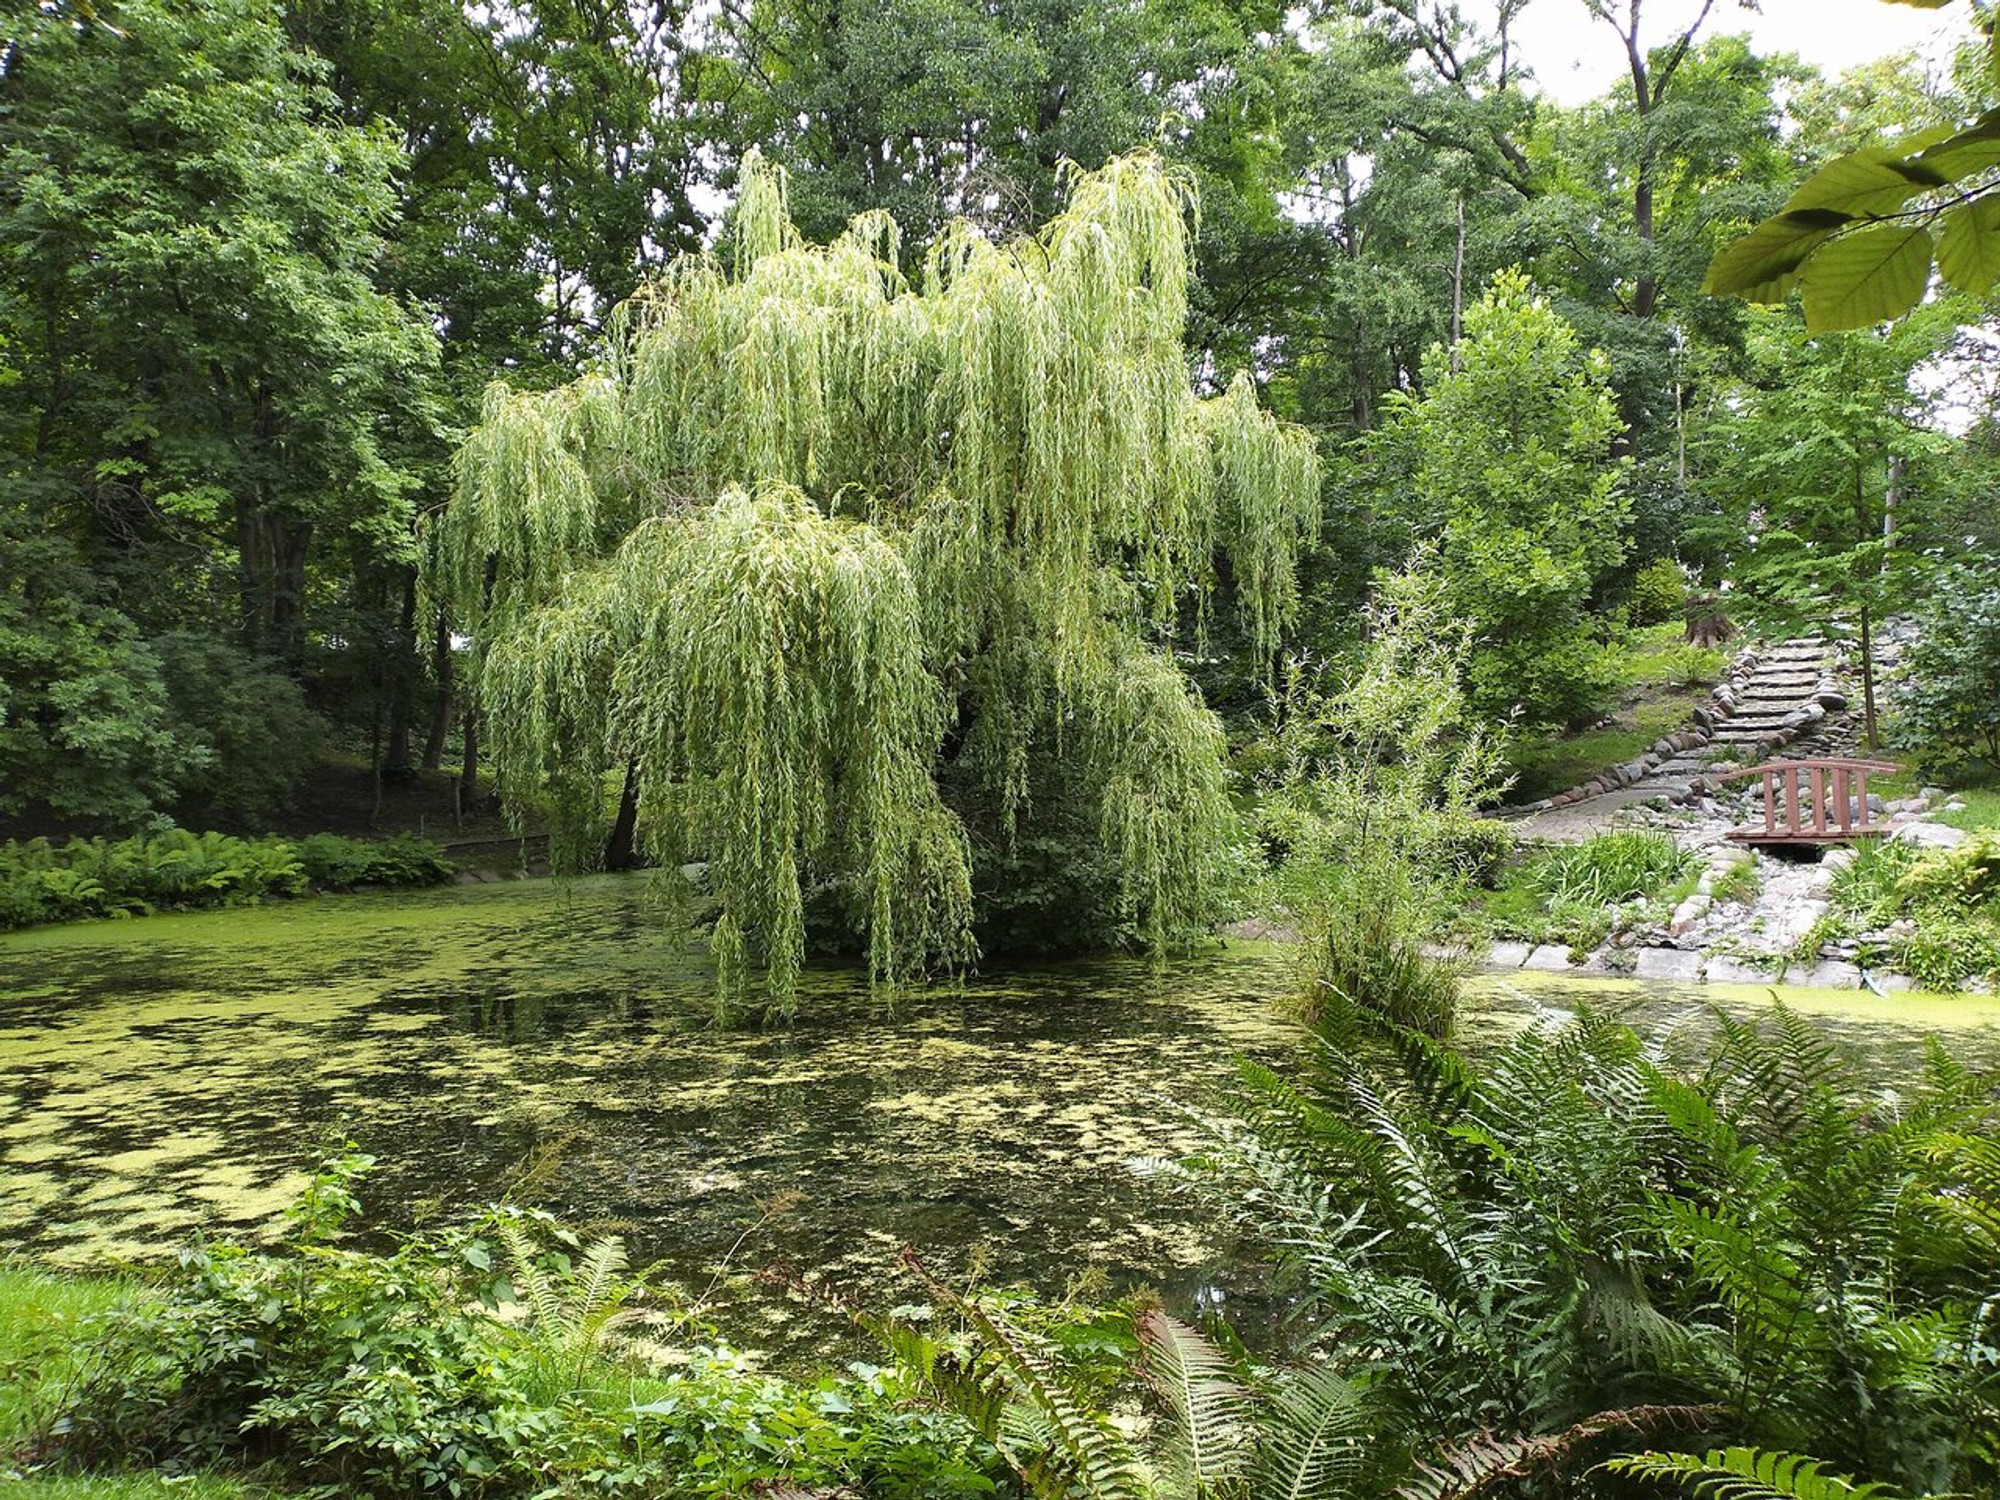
(1681, 1257)
(42, 881)
(1933, 914)
(1579, 895)
(505, 1357)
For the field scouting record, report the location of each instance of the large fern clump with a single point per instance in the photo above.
(1577, 1228)
(814, 533)
(1510, 1275)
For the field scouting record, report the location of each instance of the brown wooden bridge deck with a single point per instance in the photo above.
(1814, 802)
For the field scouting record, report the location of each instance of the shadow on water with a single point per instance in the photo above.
(546, 1043)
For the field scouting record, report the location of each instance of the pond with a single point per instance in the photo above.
(546, 1043)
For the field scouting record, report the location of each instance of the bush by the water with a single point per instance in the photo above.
(505, 1358)
(1626, 864)
(1573, 893)
(45, 882)
(1931, 914)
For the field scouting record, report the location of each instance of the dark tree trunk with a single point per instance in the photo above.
(402, 685)
(441, 672)
(468, 767)
(620, 850)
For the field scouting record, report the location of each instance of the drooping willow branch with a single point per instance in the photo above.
(808, 524)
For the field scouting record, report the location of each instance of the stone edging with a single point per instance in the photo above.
(1690, 966)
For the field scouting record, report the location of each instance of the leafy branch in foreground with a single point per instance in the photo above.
(1859, 237)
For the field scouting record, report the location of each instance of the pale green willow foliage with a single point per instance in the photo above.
(810, 530)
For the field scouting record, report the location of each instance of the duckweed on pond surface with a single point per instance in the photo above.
(547, 1043)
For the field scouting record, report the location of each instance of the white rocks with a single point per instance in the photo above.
(1507, 955)
(1791, 923)
(1668, 963)
(1688, 913)
(1549, 958)
(1830, 974)
(1930, 835)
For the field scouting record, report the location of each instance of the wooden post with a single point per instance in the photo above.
(1770, 801)
(1840, 783)
(1817, 775)
(1791, 799)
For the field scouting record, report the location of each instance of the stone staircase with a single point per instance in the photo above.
(1771, 699)
(1790, 690)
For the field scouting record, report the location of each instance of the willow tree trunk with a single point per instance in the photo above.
(620, 850)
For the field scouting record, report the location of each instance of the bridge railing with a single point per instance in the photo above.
(1814, 801)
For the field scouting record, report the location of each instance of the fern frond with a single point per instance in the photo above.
(1745, 1474)
(1479, 1465)
(532, 1284)
(1199, 1386)
(1085, 1452)
(1317, 1438)
(597, 1292)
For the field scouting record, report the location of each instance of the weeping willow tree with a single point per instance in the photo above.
(816, 543)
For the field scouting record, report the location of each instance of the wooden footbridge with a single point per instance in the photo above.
(1814, 802)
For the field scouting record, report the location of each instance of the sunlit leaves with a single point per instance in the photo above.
(1857, 235)
(1968, 251)
(1866, 277)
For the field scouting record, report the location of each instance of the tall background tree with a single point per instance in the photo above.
(212, 391)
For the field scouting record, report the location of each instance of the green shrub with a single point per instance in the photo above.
(44, 882)
(1477, 849)
(1942, 904)
(1659, 592)
(1625, 865)
(1948, 702)
(504, 1359)
(333, 863)
(246, 722)
(1508, 1268)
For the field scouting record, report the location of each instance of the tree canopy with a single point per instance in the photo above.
(835, 561)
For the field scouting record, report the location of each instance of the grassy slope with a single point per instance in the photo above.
(1649, 671)
(39, 1312)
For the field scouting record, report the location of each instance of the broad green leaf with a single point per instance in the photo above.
(1763, 265)
(1873, 180)
(1866, 277)
(1970, 150)
(1968, 251)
